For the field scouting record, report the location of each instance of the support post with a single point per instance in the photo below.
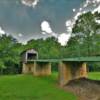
(43, 68)
(83, 70)
(64, 73)
(37, 68)
(28, 68)
(70, 71)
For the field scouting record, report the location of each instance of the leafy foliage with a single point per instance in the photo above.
(88, 31)
(9, 52)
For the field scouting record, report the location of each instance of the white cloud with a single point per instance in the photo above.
(30, 3)
(25, 3)
(97, 21)
(2, 32)
(85, 5)
(80, 9)
(77, 15)
(63, 38)
(20, 34)
(68, 23)
(44, 33)
(35, 3)
(69, 26)
(46, 29)
(95, 4)
(96, 9)
(74, 10)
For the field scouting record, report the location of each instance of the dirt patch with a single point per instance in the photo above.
(85, 89)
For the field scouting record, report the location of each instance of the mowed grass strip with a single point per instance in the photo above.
(27, 87)
(94, 75)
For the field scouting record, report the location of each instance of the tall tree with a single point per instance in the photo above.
(86, 28)
(9, 52)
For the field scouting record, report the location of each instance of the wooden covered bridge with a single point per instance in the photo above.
(68, 68)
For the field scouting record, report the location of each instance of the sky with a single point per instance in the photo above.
(28, 19)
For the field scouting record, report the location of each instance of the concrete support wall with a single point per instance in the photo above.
(83, 70)
(71, 70)
(43, 68)
(37, 68)
(28, 68)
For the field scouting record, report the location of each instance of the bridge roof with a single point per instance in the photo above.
(86, 59)
(76, 59)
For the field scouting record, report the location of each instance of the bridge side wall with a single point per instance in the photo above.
(43, 69)
(28, 68)
(70, 71)
(83, 70)
(37, 68)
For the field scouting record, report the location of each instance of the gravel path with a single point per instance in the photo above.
(85, 89)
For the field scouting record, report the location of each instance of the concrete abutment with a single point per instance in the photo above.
(70, 71)
(37, 68)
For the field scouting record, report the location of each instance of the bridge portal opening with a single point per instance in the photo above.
(31, 56)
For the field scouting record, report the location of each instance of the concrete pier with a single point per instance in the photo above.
(70, 71)
(37, 68)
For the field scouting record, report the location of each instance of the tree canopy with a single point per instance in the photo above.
(88, 31)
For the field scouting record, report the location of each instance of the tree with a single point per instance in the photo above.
(73, 47)
(86, 28)
(9, 52)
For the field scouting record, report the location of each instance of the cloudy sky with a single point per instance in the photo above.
(27, 19)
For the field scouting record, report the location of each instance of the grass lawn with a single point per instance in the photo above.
(94, 75)
(27, 87)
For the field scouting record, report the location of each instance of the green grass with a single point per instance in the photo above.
(27, 87)
(94, 75)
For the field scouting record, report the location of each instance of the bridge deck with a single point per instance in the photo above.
(77, 59)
